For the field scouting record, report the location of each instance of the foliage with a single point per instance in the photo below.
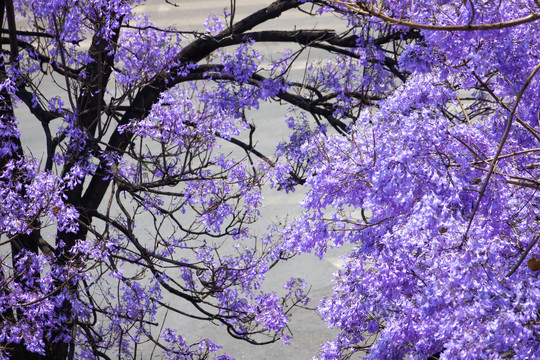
(417, 143)
(447, 163)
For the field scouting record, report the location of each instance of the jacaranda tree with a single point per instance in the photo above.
(417, 142)
(447, 161)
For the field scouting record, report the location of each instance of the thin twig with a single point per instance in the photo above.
(364, 9)
(499, 150)
(523, 256)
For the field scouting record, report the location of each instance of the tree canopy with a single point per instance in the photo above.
(417, 143)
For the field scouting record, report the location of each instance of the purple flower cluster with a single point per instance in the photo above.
(445, 166)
